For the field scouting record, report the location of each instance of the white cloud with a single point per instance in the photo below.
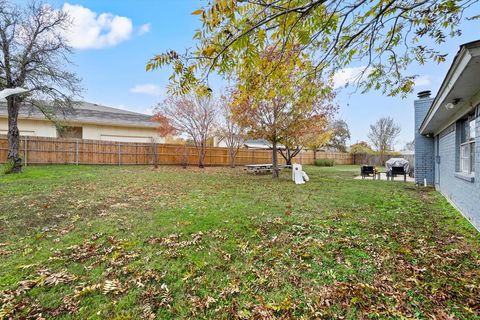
(144, 28)
(150, 89)
(91, 30)
(423, 81)
(348, 75)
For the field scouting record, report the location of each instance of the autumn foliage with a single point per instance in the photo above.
(277, 102)
(191, 116)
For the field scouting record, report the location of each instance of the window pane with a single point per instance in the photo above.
(472, 157)
(465, 158)
(471, 126)
(464, 132)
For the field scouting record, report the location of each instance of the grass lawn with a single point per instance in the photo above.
(130, 242)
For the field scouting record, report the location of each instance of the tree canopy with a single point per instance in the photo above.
(280, 106)
(190, 115)
(383, 37)
(34, 55)
(360, 147)
(229, 130)
(383, 134)
(339, 135)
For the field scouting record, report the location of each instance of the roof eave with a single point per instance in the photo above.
(460, 61)
(443, 91)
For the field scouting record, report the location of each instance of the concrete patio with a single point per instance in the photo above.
(383, 176)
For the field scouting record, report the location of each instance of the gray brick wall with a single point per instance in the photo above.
(424, 146)
(465, 195)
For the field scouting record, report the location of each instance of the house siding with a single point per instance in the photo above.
(465, 195)
(44, 128)
(121, 134)
(26, 127)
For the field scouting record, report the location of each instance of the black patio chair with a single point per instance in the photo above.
(366, 171)
(398, 171)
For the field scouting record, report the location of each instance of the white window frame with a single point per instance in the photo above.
(466, 163)
(467, 149)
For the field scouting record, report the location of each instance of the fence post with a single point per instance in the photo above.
(25, 154)
(119, 154)
(76, 152)
(155, 154)
(210, 156)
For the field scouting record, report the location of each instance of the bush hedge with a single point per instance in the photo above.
(7, 167)
(324, 162)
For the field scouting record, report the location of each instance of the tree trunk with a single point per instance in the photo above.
(201, 155)
(232, 158)
(155, 155)
(275, 170)
(13, 136)
(289, 157)
(314, 154)
(184, 157)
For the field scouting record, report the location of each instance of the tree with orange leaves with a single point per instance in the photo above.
(192, 116)
(276, 101)
(308, 133)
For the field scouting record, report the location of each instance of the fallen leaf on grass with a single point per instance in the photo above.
(112, 287)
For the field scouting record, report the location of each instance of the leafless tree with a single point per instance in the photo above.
(190, 115)
(409, 146)
(34, 55)
(383, 135)
(230, 132)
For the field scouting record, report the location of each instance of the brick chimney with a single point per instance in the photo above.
(424, 145)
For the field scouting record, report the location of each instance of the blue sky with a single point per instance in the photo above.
(112, 65)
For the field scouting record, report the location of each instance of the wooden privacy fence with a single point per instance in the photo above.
(39, 150)
(377, 160)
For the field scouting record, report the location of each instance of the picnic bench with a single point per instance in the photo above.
(263, 168)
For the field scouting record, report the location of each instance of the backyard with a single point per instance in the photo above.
(133, 241)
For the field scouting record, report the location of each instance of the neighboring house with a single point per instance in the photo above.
(447, 137)
(85, 121)
(408, 155)
(260, 144)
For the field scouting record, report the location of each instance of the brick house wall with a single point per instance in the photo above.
(462, 193)
(437, 160)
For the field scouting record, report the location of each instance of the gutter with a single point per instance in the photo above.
(436, 103)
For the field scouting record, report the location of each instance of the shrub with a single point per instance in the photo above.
(324, 162)
(7, 167)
